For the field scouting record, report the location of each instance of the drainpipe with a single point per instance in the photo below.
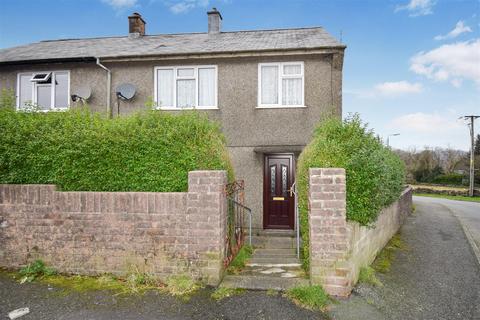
(109, 86)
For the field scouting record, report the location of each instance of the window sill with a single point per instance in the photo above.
(182, 109)
(280, 107)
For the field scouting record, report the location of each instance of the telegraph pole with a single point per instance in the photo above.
(472, 148)
(391, 135)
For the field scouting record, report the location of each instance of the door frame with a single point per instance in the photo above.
(291, 218)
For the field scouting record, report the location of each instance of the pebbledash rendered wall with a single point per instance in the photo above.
(339, 248)
(113, 232)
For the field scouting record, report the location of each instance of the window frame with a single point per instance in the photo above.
(47, 77)
(35, 84)
(176, 77)
(281, 76)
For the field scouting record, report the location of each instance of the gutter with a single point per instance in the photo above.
(45, 61)
(109, 86)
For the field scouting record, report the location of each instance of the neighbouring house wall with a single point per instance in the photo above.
(339, 248)
(246, 127)
(100, 232)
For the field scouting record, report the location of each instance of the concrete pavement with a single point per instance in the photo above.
(436, 277)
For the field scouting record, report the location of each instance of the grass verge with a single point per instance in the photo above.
(444, 196)
(237, 265)
(367, 275)
(222, 293)
(384, 260)
(310, 297)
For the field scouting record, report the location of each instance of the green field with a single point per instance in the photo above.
(444, 196)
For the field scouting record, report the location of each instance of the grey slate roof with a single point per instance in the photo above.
(172, 44)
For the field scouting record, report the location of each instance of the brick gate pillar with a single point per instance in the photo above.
(329, 233)
(206, 227)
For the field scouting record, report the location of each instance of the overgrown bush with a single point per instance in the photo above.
(78, 150)
(375, 175)
(423, 174)
(7, 99)
(452, 179)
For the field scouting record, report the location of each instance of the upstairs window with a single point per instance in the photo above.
(186, 87)
(280, 84)
(43, 90)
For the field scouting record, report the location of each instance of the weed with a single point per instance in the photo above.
(140, 281)
(240, 260)
(310, 297)
(367, 275)
(181, 285)
(271, 292)
(384, 259)
(222, 293)
(134, 282)
(35, 270)
(84, 283)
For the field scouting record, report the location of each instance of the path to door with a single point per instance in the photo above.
(436, 277)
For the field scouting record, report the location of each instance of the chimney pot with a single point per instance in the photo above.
(214, 21)
(136, 25)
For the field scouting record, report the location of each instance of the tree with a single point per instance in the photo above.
(476, 149)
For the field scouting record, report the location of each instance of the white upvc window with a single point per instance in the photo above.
(47, 91)
(281, 84)
(186, 87)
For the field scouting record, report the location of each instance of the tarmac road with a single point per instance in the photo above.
(436, 277)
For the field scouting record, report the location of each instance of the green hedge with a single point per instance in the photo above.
(375, 175)
(453, 179)
(78, 150)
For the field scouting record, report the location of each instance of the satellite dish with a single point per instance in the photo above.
(126, 91)
(84, 92)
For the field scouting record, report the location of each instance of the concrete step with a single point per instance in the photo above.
(275, 252)
(275, 256)
(271, 242)
(283, 272)
(273, 233)
(262, 282)
(277, 261)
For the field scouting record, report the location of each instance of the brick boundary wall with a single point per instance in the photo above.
(118, 232)
(339, 248)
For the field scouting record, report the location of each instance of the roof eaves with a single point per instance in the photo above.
(51, 60)
(300, 50)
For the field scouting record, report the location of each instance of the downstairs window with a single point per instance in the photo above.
(44, 90)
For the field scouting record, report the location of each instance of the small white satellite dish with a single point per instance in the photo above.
(126, 91)
(82, 93)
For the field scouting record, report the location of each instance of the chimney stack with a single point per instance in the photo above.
(136, 25)
(214, 21)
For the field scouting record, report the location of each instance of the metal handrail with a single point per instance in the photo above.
(297, 218)
(249, 218)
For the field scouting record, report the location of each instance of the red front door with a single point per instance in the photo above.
(278, 205)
